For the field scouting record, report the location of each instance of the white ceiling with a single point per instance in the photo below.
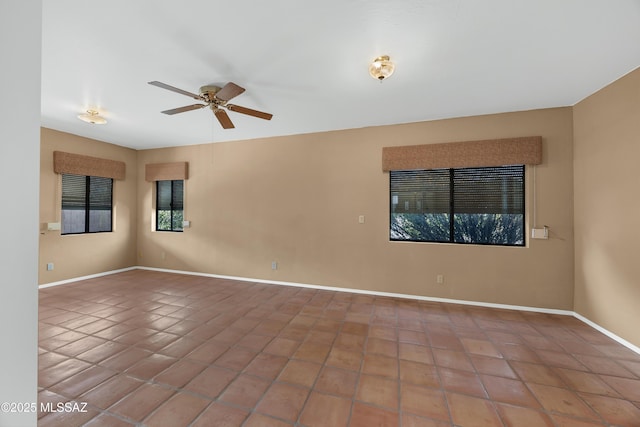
(306, 62)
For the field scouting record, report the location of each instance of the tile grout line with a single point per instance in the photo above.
(571, 313)
(331, 308)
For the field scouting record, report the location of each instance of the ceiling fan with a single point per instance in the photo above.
(215, 98)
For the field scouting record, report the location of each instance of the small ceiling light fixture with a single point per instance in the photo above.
(381, 68)
(93, 117)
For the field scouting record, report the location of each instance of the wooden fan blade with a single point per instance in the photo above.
(175, 89)
(223, 118)
(183, 109)
(230, 90)
(249, 111)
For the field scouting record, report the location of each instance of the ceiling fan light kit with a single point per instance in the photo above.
(381, 68)
(216, 98)
(92, 117)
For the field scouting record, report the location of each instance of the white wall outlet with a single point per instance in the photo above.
(274, 265)
(49, 266)
(361, 219)
(440, 279)
(540, 233)
(51, 226)
(186, 224)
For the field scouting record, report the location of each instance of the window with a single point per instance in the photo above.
(169, 205)
(86, 204)
(468, 205)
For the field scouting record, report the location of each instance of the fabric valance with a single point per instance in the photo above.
(490, 152)
(166, 171)
(78, 164)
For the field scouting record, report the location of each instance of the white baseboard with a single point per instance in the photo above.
(608, 333)
(366, 292)
(91, 276)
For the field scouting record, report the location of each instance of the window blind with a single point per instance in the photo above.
(170, 195)
(420, 191)
(86, 204)
(100, 192)
(483, 205)
(494, 190)
(475, 190)
(74, 192)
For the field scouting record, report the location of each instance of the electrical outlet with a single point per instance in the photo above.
(540, 233)
(49, 266)
(274, 265)
(440, 279)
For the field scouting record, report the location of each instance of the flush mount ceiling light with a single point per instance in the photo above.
(381, 68)
(93, 117)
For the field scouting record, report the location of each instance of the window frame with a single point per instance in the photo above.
(452, 212)
(87, 205)
(171, 207)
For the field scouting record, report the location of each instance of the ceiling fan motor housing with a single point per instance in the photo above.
(209, 92)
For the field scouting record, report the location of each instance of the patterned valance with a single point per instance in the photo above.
(490, 152)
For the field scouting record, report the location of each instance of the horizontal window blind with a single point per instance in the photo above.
(170, 195)
(86, 204)
(177, 201)
(100, 192)
(483, 205)
(163, 198)
(420, 191)
(74, 192)
(489, 190)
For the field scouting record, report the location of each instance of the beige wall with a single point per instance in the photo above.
(84, 254)
(296, 200)
(607, 207)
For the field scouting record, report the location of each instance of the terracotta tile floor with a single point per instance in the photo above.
(160, 349)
